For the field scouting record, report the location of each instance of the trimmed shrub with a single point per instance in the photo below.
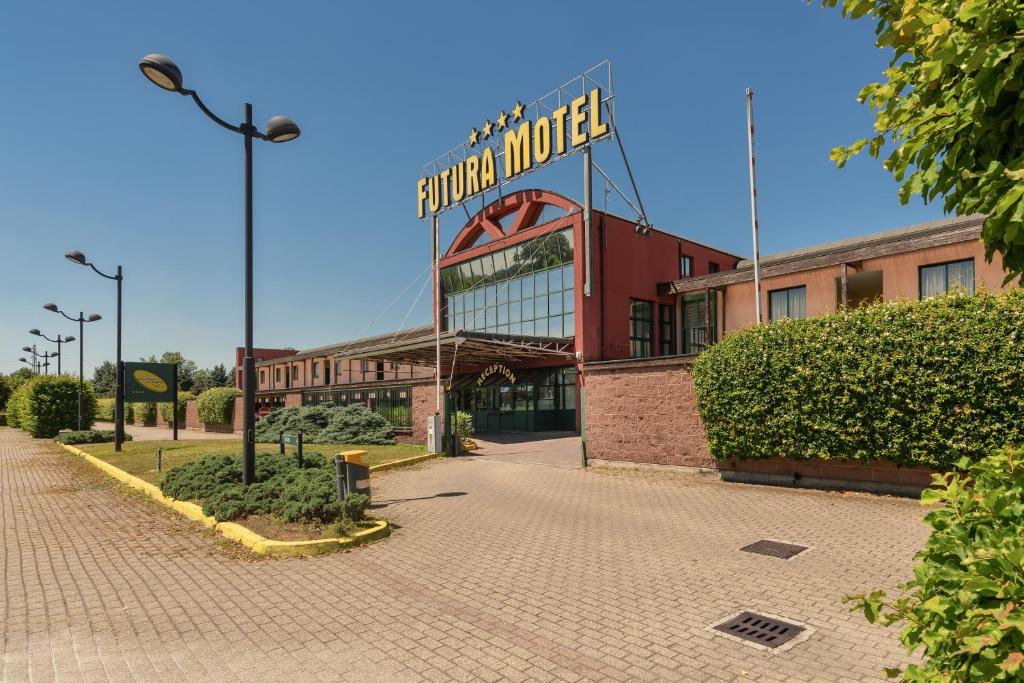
(962, 608)
(144, 413)
(14, 403)
(45, 405)
(165, 408)
(463, 424)
(353, 424)
(282, 488)
(217, 406)
(88, 436)
(916, 383)
(105, 409)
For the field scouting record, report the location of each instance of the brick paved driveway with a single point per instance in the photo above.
(534, 573)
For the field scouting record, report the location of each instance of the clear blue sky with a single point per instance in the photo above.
(94, 157)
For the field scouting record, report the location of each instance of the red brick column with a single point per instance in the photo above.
(424, 402)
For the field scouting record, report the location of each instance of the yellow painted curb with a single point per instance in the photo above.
(403, 463)
(236, 532)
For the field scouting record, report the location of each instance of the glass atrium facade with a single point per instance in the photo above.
(523, 289)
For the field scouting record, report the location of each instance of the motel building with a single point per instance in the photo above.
(517, 324)
(521, 340)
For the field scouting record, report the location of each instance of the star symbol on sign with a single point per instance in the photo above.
(517, 111)
(502, 121)
(488, 128)
(474, 137)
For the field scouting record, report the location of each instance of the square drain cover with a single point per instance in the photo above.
(765, 631)
(778, 549)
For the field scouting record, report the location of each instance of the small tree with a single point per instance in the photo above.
(186, 369)
(104, 377)
(219, 377)
(951, 109)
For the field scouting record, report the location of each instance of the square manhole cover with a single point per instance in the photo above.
(761, 630)
(783, 551)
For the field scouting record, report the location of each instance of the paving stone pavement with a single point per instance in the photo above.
(498, 571)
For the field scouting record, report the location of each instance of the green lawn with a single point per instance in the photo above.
(139, 457)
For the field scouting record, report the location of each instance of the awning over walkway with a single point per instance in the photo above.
(463, 347)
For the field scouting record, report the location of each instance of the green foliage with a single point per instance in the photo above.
(5, 391)
(45, 405)
(920, 383)
(282, 488)
(144, 412)
(3, 418)
(962, 608)
(88, 436)
(216, 406)
(352, 424)
(104, 377)
(105, 409)
(463, 424)
(165, 408)
(355, 505)
(19, 377)
(950, 108)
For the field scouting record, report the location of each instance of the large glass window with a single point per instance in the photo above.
(943, 277)
(641, 328)
(666, 329)
(788, 303)
(525, 289)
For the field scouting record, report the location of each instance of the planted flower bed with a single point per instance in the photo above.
(287, 501)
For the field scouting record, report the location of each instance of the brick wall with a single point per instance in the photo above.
(192, 419)
(644, 411)
(293, 399)
(424, 402)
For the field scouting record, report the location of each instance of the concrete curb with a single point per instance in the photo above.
(404, 463)
(236, 532)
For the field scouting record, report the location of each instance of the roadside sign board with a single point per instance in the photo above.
(149, 382)
(291, 439)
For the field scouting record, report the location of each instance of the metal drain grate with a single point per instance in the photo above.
(756, 628)
(778, 549)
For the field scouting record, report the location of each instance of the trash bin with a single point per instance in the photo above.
(357, 472)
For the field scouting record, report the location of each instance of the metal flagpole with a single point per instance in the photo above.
(437, 311)
(753, 206)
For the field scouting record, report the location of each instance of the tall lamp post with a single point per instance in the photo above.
(163, 72)
(28, 363)
(79, 258)
(81, 320)
(58, 341)
(45, 355)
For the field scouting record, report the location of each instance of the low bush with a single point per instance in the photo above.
(916, 383)
(3, 418)
(105, 409)
(88, 436)
(463, 424)
(352, 424)
(45, 405)
(282, 488)
(144, 413)
(962, 608)
(168, 415)
(217, 406)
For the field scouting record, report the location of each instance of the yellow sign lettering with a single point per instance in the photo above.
(517, 150)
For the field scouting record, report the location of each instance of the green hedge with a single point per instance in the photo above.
(45, 405)
(216, 406)
(165, 408)
(916, 383)
(88, 436)
(105, 409)
(143, 412)
(352, 424)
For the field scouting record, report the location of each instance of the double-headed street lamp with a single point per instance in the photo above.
(45, 355)
(81, 320)
(163, 72)
(79, 258)
(28, 362)
(58, 341)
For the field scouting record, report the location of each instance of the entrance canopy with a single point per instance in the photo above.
(466, 348)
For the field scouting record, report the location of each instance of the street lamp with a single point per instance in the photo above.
(164, 73)
(81, 320)
(58, 341)
(78, 257)
(46, 356)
